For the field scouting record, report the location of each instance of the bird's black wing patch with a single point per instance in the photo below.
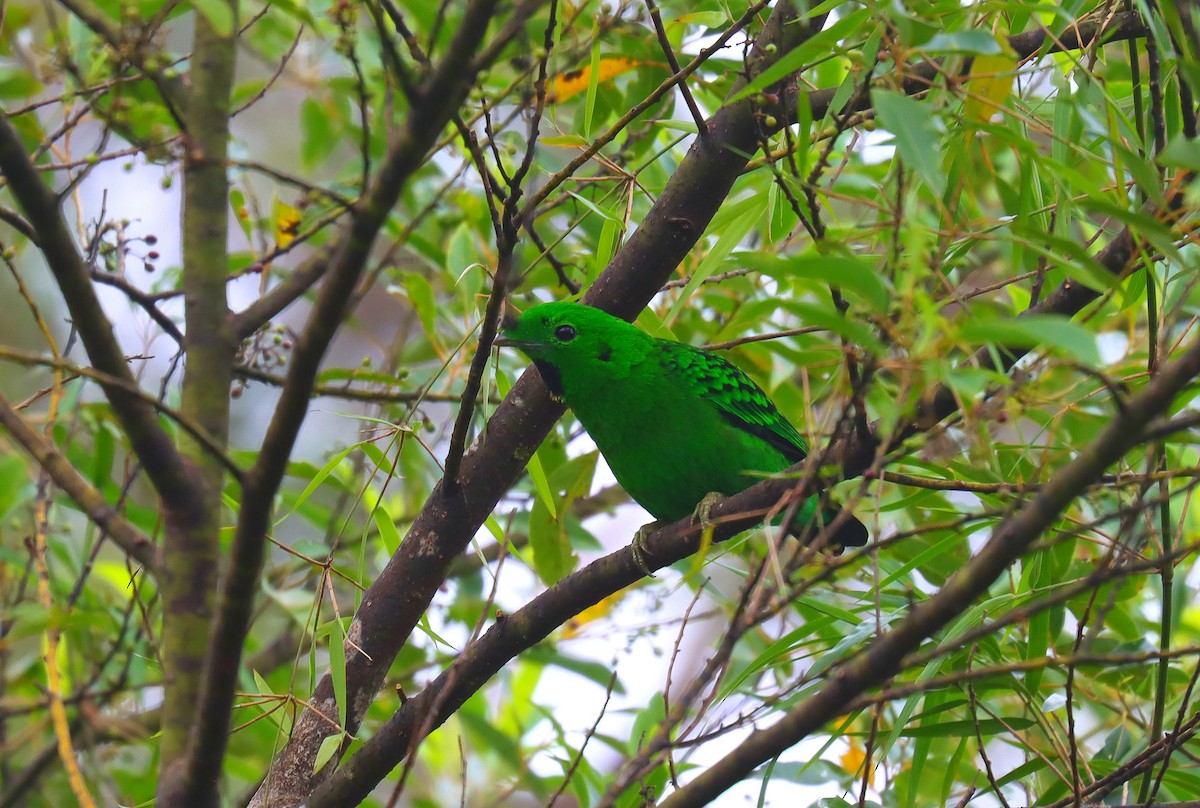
(735, 395)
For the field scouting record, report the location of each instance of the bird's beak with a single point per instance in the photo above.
(507, 323)
(505, 342)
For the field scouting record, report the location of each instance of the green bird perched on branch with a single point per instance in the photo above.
(680, 427)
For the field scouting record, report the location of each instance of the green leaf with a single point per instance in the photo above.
(552, 556)
(297, 10)
(542, 486)
(858, 276)
(819, 45)
(337, 668)
(917, 140)
(649, 718)
(600, 673)
(750, 213)
(17, 83)
(825, 316)
(1181, 152)
(318, 136)
(1039, 331)
(325, 752)
(388, 533)
(967, 728)
(589, 108)
(977, 42)
(219, 14)
(420, 293)
(316, 481)
(15, 485)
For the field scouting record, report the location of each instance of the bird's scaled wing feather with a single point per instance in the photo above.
(742, 402)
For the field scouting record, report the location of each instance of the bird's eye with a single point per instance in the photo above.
(564, 333)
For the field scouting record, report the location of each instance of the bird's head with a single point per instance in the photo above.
(565, 337)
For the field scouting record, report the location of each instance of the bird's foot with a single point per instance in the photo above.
(701, 517)
(704, 509)
(638, 547)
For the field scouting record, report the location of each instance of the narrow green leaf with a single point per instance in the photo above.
(752, 213)
(316, 481)
(542, 485)
(967, 728)
(552, 556)
(294, 9)
(420, 293)
(388, 533)
(916, 137)
(329, 745)
(337, 667)
(589, 107)
(269, 708)
(977, 42)
(1041, 331)
(15, 484)
(594, 208)
(856, 275)
(318, 137)
(825, 316)
(598, 672)
(606, 245)
(820, 44)
(1181, 152)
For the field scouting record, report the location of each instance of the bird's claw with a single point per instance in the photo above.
(701, 516)
(638, 547)
(704, 510)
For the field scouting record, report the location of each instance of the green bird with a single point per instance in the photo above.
(679, 426)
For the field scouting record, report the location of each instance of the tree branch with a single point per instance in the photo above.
(442, 93)
(191, 550)
(921, 77)
(399, 596)
(531, 624)
(170, 473)
(135, 543)
(885, 657)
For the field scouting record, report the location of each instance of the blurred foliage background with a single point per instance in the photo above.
(887, 240)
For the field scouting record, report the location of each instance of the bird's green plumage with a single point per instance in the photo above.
(674, 422)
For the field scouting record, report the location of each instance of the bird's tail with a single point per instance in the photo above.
(850, 532)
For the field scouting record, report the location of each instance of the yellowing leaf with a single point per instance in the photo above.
(853, 759)
(286, 221)
(565, 141)
(599, 611)
(573, 82)
(991, 82)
